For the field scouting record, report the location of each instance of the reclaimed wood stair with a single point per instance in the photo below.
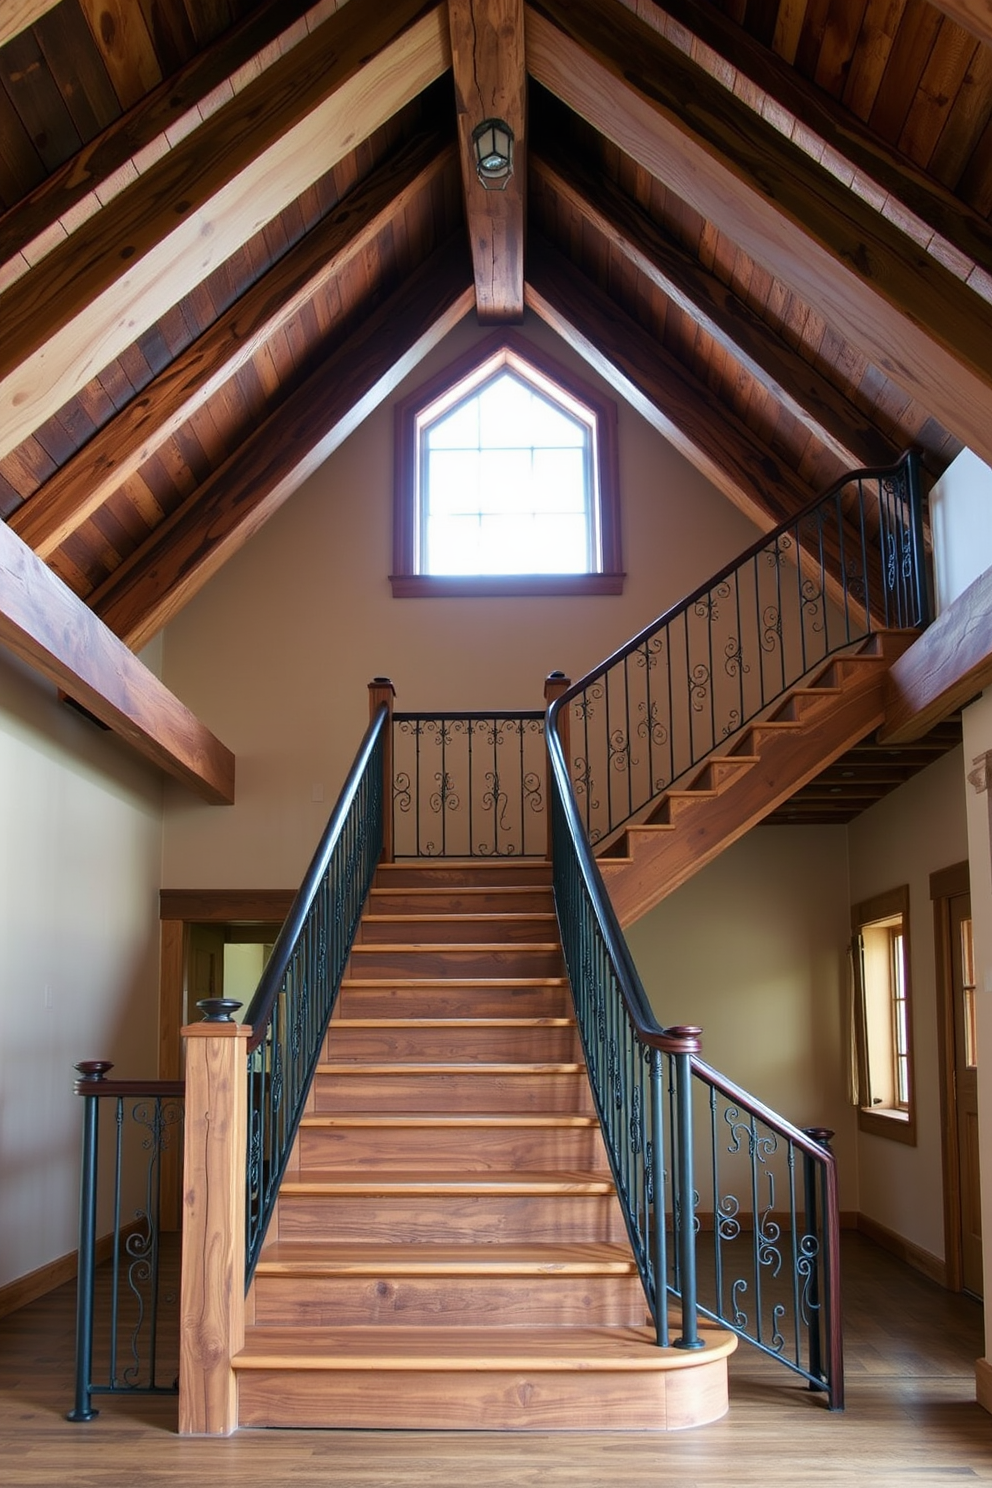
(836, 705)
(448, 1249)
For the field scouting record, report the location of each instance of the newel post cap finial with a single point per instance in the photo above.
(218, 1009)
(93, 1069)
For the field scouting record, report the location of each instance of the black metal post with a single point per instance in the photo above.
(658, 1190)
(820, 1135)
(90, 1070)
(685, 1167)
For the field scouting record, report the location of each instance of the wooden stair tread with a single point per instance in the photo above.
(371, 947)
(458, 916)
(445, 1120)
(509, 1022)
(415, 1348)
(308, 1258)
(509, 984)
(337, 1181)
(462, 1067)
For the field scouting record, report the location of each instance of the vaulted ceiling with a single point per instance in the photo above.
(230, 228)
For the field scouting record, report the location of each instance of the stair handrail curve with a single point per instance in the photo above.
(850, 563)
(298, 990)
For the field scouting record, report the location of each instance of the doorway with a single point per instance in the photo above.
(950, 892)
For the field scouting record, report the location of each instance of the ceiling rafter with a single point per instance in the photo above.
(910, 316)
(120, 151)
(93, 295)
(118, 451)
(487, 54)
(974, 15)
(17, 15)
(154, 584)
(797, 385)
(43, 623)
(945, 215)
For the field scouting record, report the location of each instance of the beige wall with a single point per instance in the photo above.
(753, 950)
(978, 797)
(80, 859)
(913, 832)
(276, 653)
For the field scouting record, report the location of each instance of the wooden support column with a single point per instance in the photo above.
(381, 690)
(212, 1301)
(554, 685)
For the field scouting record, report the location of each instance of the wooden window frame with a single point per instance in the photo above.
(889, 1122)
(406, 580)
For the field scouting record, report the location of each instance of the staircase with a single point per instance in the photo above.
(814, 723)
(448, 1251)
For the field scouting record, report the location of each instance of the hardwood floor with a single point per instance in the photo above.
(911, 1419)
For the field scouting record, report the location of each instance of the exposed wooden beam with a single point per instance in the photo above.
(949, 664)
(487, 56)
(17, 15)
(152, 586)
(809, 396)
(661, 389)
(70, 497)
(89, 298)
(910, 316)
(974, 15)
(945, 214)
(115, 149)
(43, 623)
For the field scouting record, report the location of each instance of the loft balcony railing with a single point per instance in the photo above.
(851, 563)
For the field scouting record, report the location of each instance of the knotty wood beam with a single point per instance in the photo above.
(151, 587)
(119, 147)
(792, 381)
(89, 298)
(662, 390)
(945, 214)
(123, 445)
(916, 322)
(974, 15)
(43, 623)
(17, 15)
(487, 55)
(944, 669)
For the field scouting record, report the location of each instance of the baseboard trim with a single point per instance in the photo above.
(17, 1294)
(983, 1384)
(914, 1255)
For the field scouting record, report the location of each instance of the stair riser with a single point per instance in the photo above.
(414, 1301)
(458, 961)
(458, 1044)
(477, 874)
(454, 1001)
(483, 1400)
(457, 930)
(461, 901)
(425, 1218)
(464, 1150)
(393, 1094)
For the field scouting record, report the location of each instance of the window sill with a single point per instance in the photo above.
(481, 586)
(898, 1126)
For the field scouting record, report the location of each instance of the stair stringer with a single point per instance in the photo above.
(809, 727)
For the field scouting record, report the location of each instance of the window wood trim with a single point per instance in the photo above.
(892, 1125)
(408, 583)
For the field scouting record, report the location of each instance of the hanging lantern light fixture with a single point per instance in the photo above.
(492, 141)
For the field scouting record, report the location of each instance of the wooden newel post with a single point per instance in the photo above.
(381, 690)
(212, 1297)
(554, 685)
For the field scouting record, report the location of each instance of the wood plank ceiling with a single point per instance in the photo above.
(229, 227)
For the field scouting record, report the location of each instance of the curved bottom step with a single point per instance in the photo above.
(509, 1379)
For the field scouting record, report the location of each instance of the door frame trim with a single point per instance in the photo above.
(946, 884)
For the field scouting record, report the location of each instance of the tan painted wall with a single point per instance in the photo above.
(753, 951)
(80, 859)
(276, 653)
(912, 833)
(978, 798)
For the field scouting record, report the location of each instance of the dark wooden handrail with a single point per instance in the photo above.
(260, 1008)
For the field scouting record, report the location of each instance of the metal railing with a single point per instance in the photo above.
(127, 1322)
(780, 1289)
(469, 785)
(851, 563)
(298, 990)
